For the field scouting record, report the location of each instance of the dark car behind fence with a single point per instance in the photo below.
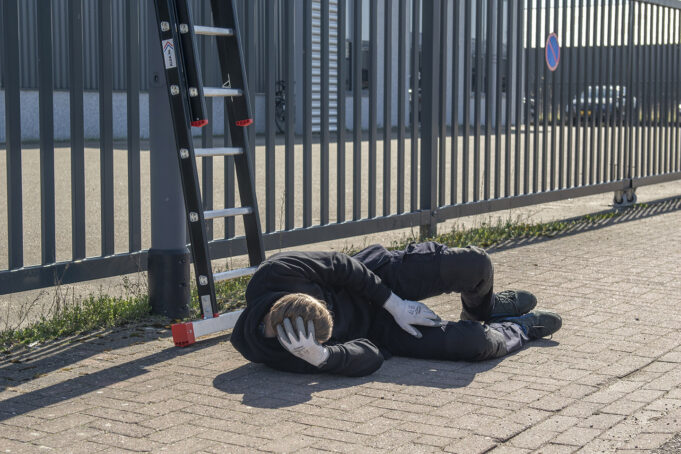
(495, 129)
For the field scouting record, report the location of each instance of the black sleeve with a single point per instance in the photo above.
(355, 358)
(290, 271)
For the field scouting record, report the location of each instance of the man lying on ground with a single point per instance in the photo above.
(311, 312)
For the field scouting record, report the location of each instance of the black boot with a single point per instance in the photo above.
(509, 303)
(536, 324)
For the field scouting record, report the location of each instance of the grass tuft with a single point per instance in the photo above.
(87, 315)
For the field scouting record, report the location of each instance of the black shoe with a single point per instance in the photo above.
(537, 324)
(509, 303)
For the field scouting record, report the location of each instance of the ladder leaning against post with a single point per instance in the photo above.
(188, 108)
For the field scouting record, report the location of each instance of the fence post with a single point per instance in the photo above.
(168, 263)
(430, 81)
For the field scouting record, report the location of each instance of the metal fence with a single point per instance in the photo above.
(453, 112)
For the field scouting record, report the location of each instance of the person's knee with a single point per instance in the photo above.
(480, 261)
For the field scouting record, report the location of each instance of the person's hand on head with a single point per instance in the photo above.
(302, 344)
(407, 313)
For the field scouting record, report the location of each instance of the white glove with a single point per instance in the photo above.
(407, 313)
(302, 345)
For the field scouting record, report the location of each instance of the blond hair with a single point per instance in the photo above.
(296, 305)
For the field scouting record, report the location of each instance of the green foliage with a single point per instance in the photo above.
(79, 317)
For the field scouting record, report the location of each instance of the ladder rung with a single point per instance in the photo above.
(207, 152)
(224, 92)
(233, 274)
(212, 214)
(213, 31)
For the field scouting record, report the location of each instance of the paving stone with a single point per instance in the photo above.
(472, 444)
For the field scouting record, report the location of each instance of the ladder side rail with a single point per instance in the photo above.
(194, 78)
(238, 110)
(179, 106)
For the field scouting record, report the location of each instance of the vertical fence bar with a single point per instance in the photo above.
(442, 105)
(660, 64)
(579, 107)
(373, 103)
(340, 131)
(564, 38)
(650, 90)
(466, 100)
(307, 114)
(521, 59)
(602, 93)
(415, 95)
(619, 70)
(228, 176)
(77, 129)
(610, 94)
(249, 45)
(675, 89)
(639, 144)
(641, 169)
(526, 100)
(207, 61)
(357, 110)
(270, 125)
(592, 33)
(46, 120)
(615, 83)
(456, 72)
(401, 104)
(545, 96)
(538, 63)
(290, 109)
(10, 68)
(478, 97)
(666, 95)
(431, 74)
(569, 114)
(324, 106)
(133, 107)
(656, 83)
(510, 24)
(387, 105)
(588, 96)
(633, 11)
(555, 100)
(106, 125)
(488, 96)
(499, 93)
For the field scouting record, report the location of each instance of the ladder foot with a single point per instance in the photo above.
(183, 334)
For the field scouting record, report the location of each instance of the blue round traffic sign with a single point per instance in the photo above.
(552, 52)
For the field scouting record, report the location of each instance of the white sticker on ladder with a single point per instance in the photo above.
(169, 53)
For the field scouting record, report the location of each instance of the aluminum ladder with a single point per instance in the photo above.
(187, 104)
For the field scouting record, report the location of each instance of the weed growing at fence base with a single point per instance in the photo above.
(87, 315)
(106, 312)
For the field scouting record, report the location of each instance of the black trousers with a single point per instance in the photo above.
(424, 270)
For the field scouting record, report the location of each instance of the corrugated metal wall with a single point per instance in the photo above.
(29, 45)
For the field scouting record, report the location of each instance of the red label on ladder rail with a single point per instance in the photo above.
(246, 122)
(199, 123)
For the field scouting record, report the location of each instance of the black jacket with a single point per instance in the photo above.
(352, 293)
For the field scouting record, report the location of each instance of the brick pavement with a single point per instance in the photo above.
(608, 381)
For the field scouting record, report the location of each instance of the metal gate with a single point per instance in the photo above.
(431, 110)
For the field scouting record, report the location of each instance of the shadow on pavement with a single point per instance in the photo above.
(15, 373)
(263, 387)
(597, 221)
